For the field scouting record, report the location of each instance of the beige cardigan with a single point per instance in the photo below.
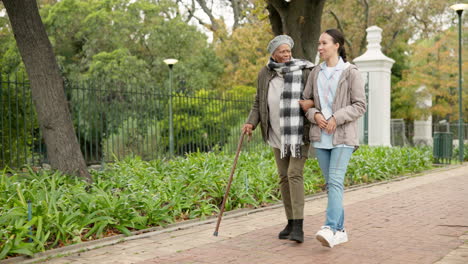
(349, 104)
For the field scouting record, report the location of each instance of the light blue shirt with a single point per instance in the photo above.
(327, 83)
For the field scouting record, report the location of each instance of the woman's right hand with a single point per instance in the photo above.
(320, 120)
(247, 129)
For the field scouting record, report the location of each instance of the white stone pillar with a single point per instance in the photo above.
(378, 68)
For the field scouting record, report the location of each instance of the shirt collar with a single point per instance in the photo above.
(339, 66)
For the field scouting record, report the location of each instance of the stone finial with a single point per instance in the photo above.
(374, 37)
(374, 50)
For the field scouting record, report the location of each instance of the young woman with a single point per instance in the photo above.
(338, 92)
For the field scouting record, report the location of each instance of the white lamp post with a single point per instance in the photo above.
(461, 135)
(170, 63)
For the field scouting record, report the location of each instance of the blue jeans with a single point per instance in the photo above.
(333, 163)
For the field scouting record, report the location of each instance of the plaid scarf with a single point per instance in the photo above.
(291, 117)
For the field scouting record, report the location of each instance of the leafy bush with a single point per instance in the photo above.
(132, 194)
(456, 152)
(371, 164)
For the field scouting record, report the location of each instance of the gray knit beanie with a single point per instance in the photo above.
(278, 40)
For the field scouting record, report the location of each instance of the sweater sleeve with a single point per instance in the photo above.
(309, 94)
(254, 115)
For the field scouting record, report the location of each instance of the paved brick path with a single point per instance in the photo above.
(416, 220)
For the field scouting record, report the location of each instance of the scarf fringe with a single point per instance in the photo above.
(294, 150)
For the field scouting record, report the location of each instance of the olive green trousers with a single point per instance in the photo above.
(290, 171)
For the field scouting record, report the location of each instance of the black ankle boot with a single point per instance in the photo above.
(286, 231)
(297, 234)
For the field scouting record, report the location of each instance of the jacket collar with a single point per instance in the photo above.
(341, 65)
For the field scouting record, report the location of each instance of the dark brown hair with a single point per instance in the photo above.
(338, 37)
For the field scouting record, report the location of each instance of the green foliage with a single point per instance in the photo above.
(118, 68)
(132, 194)
(370, 164)
(203, 121)
(110, 95)
(10, 61)
(91, 44)
(434, 66)
(105, 59)
(244, 53)
(456, 152)
(241, 91)
(133, 139)
(111, 63)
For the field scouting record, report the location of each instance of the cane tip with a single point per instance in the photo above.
(215, 233)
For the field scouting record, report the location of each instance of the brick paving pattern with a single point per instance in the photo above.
(419, 225)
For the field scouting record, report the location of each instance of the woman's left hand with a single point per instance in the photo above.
(331, 126)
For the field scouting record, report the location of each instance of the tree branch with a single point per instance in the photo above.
(208, 12)
(276, 14)
(236, 10)
(190, 11)
(275, 20)
(365, 4)
(279, 5)
(200, 21)
(338, 24)
(415, 16)
(390, 43)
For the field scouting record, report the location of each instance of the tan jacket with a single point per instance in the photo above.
(348, 106)
(259, 112)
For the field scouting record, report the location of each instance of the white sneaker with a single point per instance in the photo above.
(340, 237)
(325, 236)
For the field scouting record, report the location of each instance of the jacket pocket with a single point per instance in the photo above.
(314, 133)
(340, 134)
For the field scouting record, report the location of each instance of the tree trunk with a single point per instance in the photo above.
(47, 88)
(299, 19)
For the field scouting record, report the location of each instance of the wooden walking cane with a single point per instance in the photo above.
(229, 183)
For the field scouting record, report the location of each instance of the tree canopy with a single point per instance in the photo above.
(115, 42)
(434, 66)
(125, 40)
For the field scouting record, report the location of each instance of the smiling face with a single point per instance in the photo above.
(327, 48)
(282, 54)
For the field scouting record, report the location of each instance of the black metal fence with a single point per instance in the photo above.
(115, 121)
(403, 132)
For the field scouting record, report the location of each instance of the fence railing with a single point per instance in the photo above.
(402, 133)
(112, 122)
(20, 136)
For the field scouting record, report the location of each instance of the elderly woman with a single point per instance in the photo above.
(276, 108)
